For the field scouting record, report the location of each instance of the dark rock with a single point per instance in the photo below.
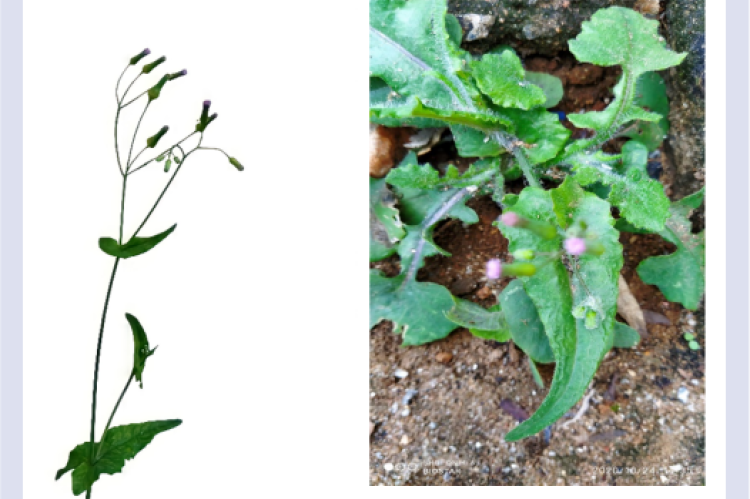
(543, 26)
(686, 142)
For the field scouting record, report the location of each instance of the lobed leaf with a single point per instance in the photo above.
(651, 93)
(417, 309)
(414, 176)
(488, 324)
(501, 78)
(120, 444)
(386, 229)
(679, 276)
(641, 199)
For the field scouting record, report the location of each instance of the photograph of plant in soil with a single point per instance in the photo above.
(524, 203)
(117, 444)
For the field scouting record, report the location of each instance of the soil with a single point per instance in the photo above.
(442, 423)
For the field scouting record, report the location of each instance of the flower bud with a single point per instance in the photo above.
(523, 254)
(494, 269)
(155, 91)
(590, 320)
(575, 246)
(205, 118)
(510, 219)
(178, 74)
(136, 58)
(176, 159)
(150, 67)
(159, 159)
(239, 167)
(153, 140)
(167, 165)
(519, 269)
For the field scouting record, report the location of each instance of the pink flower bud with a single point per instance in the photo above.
(494, 269)
(575, 245)
(510, 219)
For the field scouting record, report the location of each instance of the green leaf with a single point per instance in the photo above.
(488, 324)
(386, 229)
(136, 246)
(417, 309)
(415, 204)
(618, 36)
(120, 444)
(412, 175)
(641, 199)
(141, 349)
(525, 325)
(577, 349)
(651, 93)
(541, 130)
(535, 373)
(550, 84)
(406, 111)
(501, 77)
(625, 336)
(679, 276)
(382, 97)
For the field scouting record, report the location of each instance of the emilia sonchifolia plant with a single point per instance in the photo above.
(563, 239)
(89, 460)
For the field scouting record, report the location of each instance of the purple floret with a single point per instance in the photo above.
(494, 269)
(575, 245)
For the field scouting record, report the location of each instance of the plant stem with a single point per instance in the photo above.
(164, 191)
(98, 357)
(127, 385)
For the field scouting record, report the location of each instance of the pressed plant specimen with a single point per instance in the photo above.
(89, 460)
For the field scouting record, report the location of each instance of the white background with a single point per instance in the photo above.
(258, 299)
(263, 273)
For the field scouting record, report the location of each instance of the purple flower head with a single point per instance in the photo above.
(575, 245)
(183, 72)
(510, 219)
(206, 103)
(146, 52)
(494, 269)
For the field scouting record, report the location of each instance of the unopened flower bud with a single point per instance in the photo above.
(510, 219)
(494, 269)
(153, 140)
(176, 159)
(178, 74)
(155, 91)
(159, 159)
(167, 165)
(594, 248)
(575, 246)
(590, 320)
(239, 166)
(519, 269)
(523, 254)
(147, 68)
(136, 58)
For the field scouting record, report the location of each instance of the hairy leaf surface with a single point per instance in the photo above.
(386, 229)
(680, 276)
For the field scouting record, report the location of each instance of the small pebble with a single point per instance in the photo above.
(405, 440)
(444, 357)
(388, 466)
(663, 479)
(400, 373)
(410, 394)
(682, 394)
(676, 468)
(406, 412)
(432, 426)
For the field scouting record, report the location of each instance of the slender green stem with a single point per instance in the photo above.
(523, 162)
(163, 152)
(122, 206)
(214, 149)
(164, 191)
(111, 416)
(98, 358)
(135, 134)
(134, 99)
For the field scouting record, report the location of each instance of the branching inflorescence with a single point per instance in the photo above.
(89, 460)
